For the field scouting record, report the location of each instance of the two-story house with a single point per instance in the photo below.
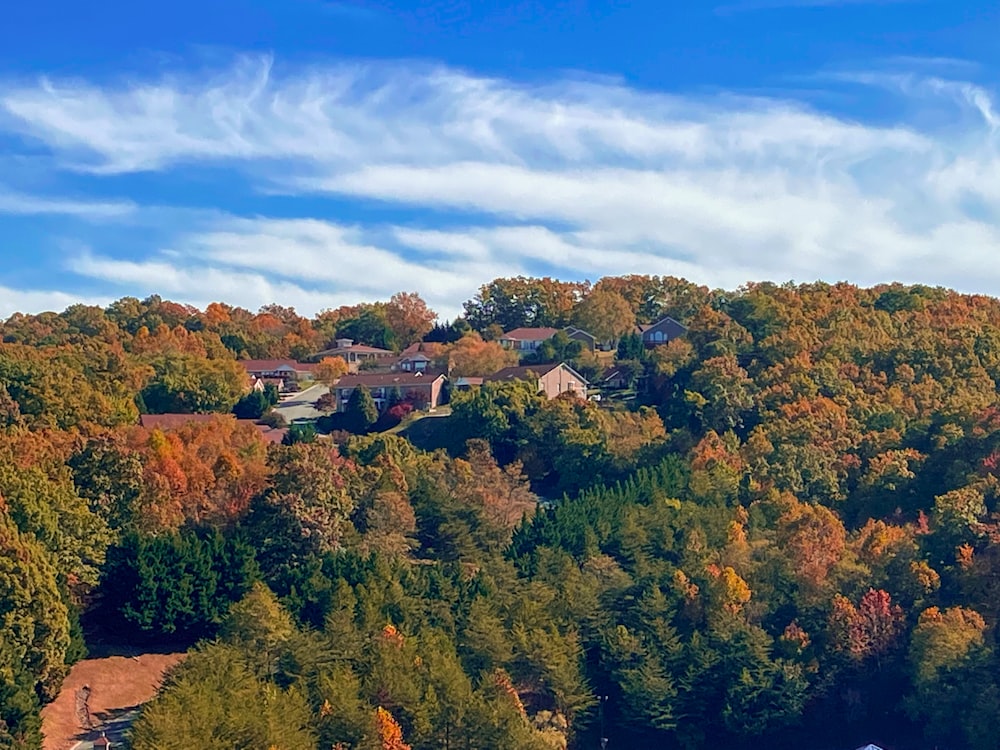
(424, 389)
(551, 379)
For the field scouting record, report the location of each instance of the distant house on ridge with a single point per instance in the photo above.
(526, 340)
(662, 332)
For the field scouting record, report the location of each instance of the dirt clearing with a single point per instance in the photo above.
(101, 689)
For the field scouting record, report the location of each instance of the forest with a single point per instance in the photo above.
(788, 533)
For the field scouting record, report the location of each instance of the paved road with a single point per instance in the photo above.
(114, 729)
(299, 406)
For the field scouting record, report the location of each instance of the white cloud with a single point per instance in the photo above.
(572, 178)
(36, 301)
(22, 204)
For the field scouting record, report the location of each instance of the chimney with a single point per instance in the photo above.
(344, 343)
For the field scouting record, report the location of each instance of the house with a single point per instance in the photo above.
(354, 354)
(424, 389)
(418, 362)
(615, 378)
(261, 384)
(270, 434)
(552, 379)
(661, 332)
(467, 383)
(526, 340)
(588, 340)
(279, 369)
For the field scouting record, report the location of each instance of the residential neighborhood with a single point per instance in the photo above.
(421, 376)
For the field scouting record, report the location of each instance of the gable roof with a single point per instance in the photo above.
(524, 372)
(529, 372)
(574, 331)
(388, 379)
(530, 334)
(668, 326)
(173, 421)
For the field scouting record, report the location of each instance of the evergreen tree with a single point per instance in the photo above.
(361, 412)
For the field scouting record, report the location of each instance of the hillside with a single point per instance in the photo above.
(778, 523)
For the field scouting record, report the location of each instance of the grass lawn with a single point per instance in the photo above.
(431, 431)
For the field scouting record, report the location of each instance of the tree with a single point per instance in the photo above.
(330, 370)
(252, 405)
(188, 385)
(606, 315)
(35, 623)
(409, 317)
(300, 432)
(389, 732)
(630, 347)
(521, 301)
(213, 700)
(174, 586)
(473, 357)
(361, 412)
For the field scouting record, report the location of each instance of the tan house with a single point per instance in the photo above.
(661, 332)
(553, 379)
(355, 354)
(422, 388)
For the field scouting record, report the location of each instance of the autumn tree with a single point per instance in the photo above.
(409, 317)
(606, 315)
(521, 301)
(330, 370)
(473, 357)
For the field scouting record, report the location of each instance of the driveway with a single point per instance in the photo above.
(113, 728)
(299, 406)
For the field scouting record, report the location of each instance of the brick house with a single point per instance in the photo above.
(552, 379)
(424, 388)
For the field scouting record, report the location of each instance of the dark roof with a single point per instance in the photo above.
(573, 330)
(173, 421)
(270, 434)
(525, 372)
(668, 325)
(271, 365)
(530, 334)
(387, 379)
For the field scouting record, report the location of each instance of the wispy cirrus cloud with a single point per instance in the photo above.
(475, 177)
(24, 204)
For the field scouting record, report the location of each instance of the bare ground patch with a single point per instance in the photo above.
(98, 689)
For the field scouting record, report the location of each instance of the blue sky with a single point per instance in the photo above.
(316, 153)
